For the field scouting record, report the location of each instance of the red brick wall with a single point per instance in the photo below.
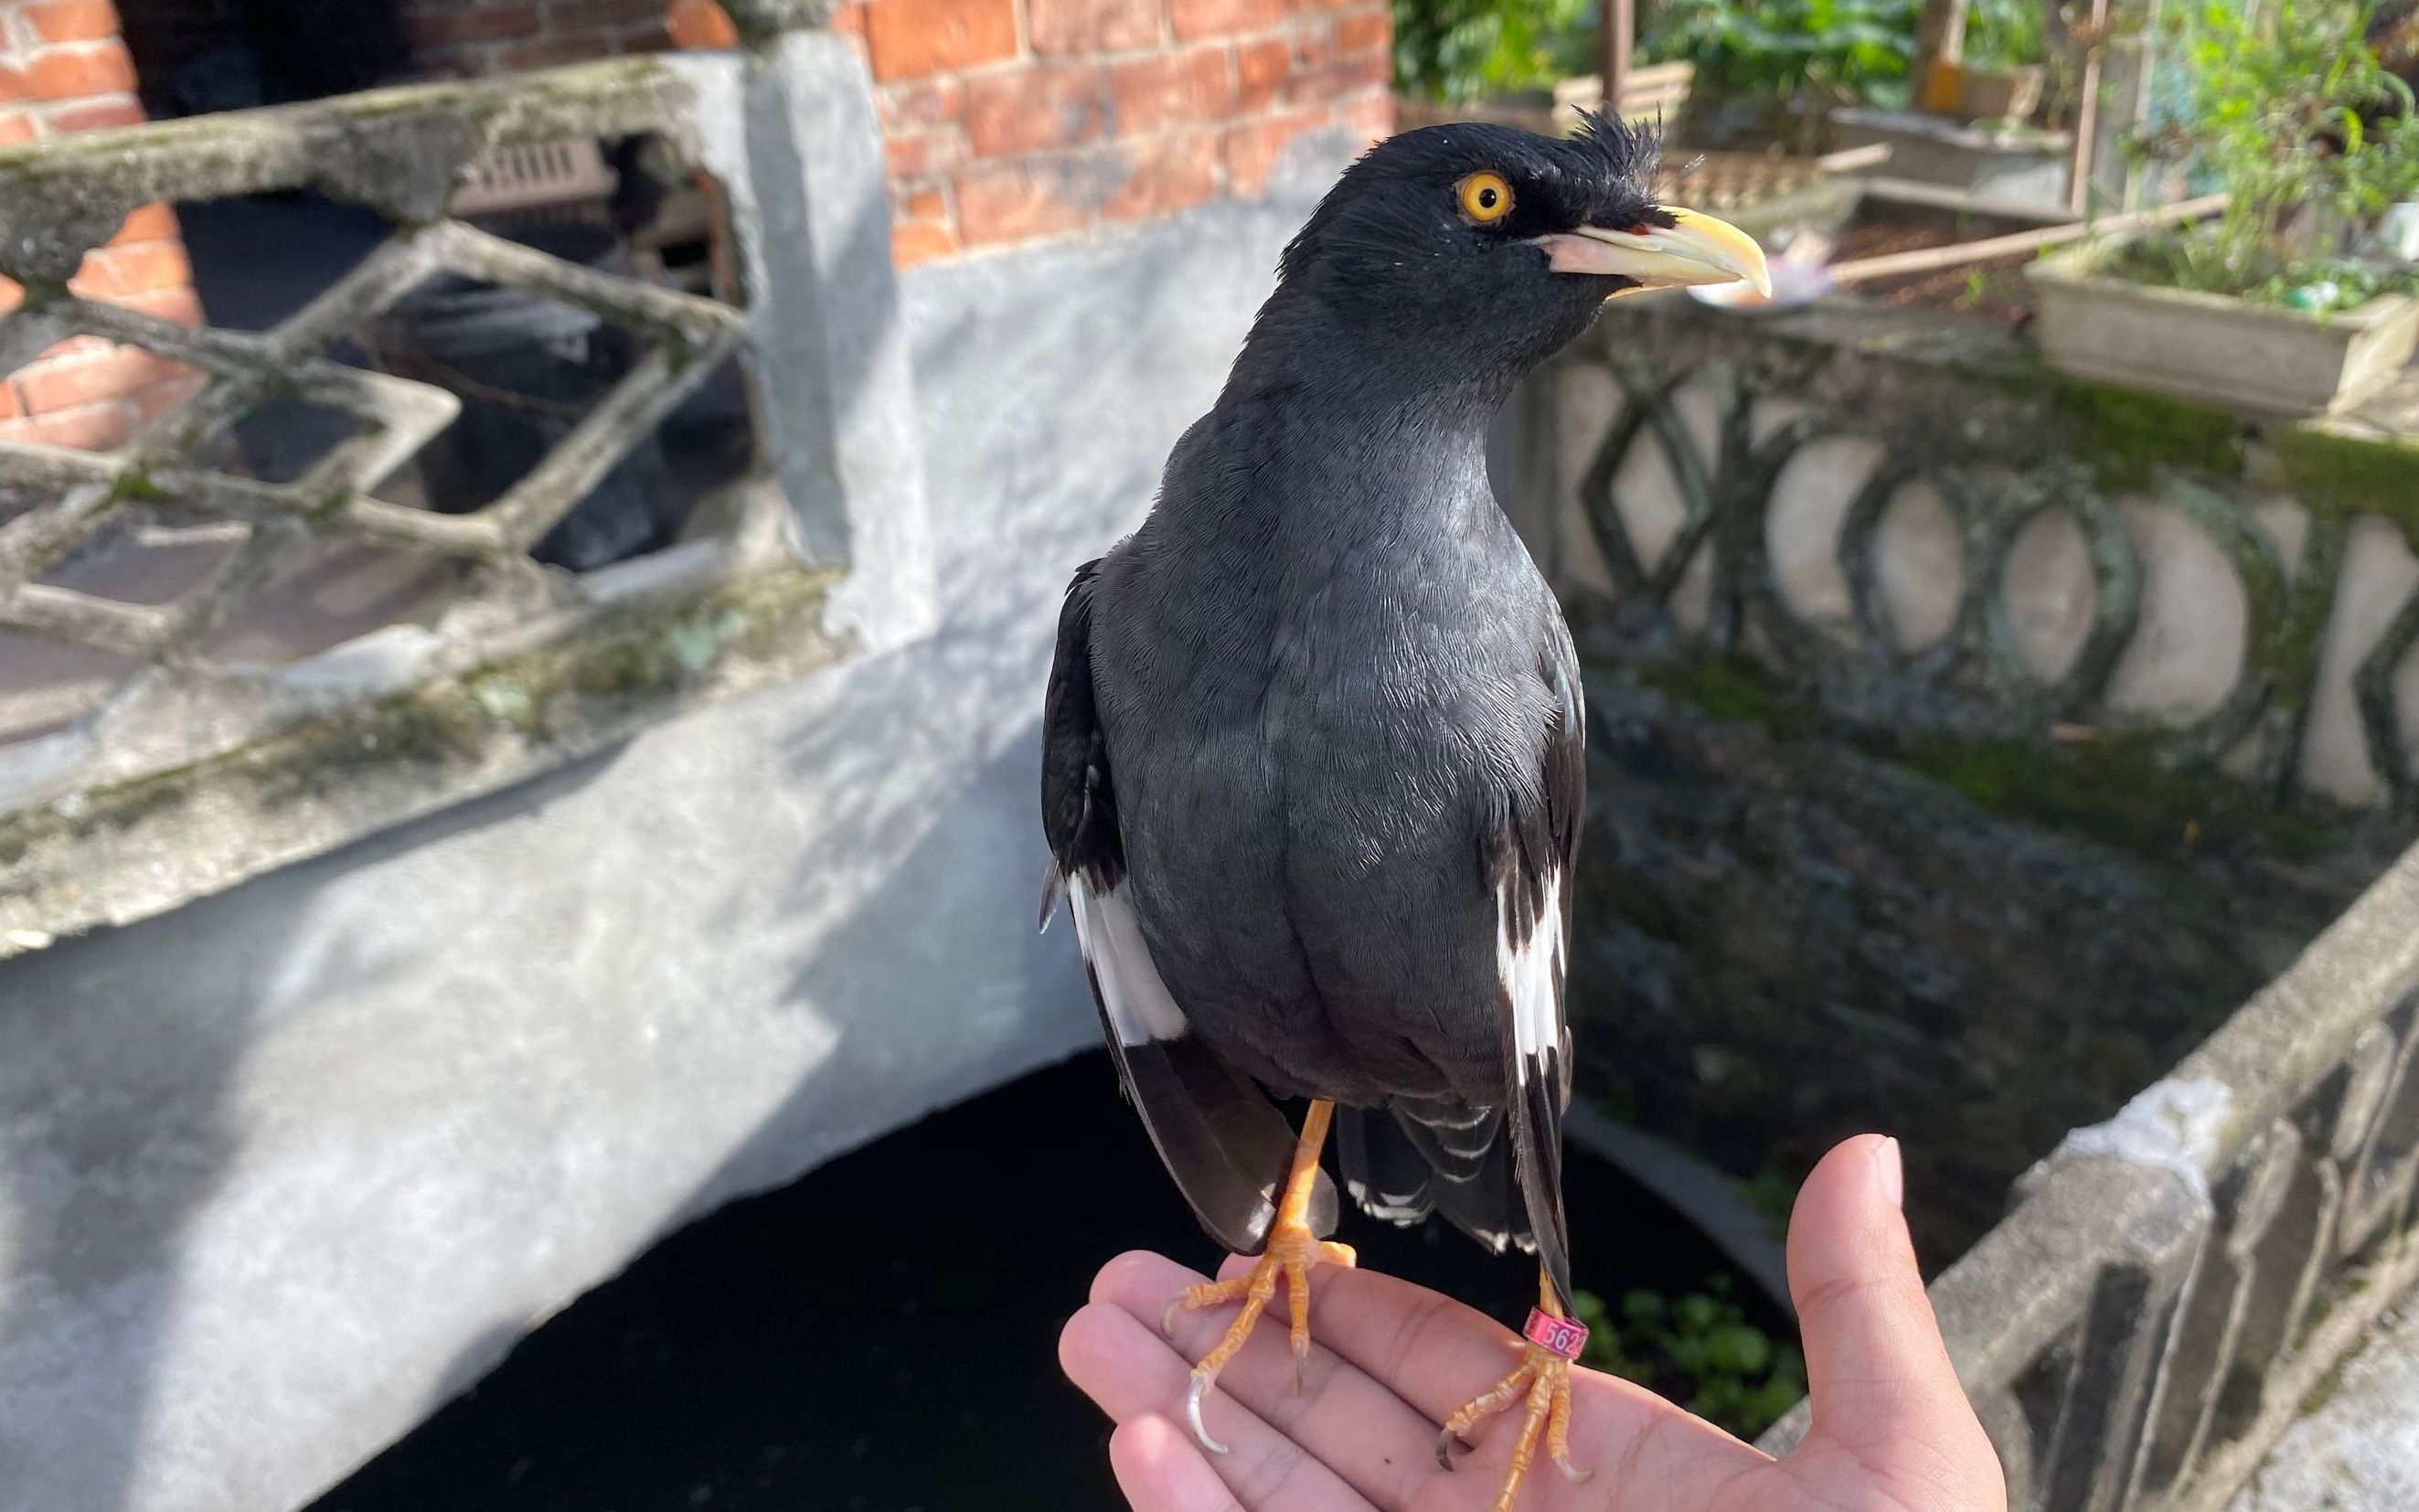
(1005, 121)
(63, 68)
(1013, 120)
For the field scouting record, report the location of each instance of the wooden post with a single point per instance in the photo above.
(1939, 38)
(1616, 34)
(2087, 113)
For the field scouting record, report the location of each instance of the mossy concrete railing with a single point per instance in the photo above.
(2176, 1286)
(200, 769)
(1910, 526)
(1969, 745)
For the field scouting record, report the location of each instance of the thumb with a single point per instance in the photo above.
(1876, 1371)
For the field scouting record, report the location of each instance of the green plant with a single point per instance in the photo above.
(1698, 1350)
(1803, 53)
(2293, 117)
(1459, 51)
(2004, 34)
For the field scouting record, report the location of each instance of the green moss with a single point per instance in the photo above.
(504, 702)
(2330, 1384)
(660, 656)
(2117, 788)
(2114, 788)
(2120, 788)
(2323, 1305)
(430, 727)
(134, 486)
(2339, 475)
(2124, 436)
(568, 696)
(1727, 686)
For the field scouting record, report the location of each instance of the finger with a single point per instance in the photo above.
(1159, 1469)
(1430, 1350)
(1437, 1355)
(1875, 1365)
(1123, 1364)
(1377, 1442)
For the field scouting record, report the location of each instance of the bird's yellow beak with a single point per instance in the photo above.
(1694, 249)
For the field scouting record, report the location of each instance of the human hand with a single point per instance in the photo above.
(1893, 1431)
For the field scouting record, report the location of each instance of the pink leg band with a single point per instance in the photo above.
(1564, 1336)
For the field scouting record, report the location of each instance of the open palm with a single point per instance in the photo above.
(1892, 1430)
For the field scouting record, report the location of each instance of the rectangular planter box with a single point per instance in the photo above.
(2212, 347)
(1999, 94)
(2024, 167)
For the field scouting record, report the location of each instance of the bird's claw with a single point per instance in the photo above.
(1292, 1251)
(1540, 1385)
(1192, 1395)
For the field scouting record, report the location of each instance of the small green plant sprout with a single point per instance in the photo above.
(2289, 113)
(1698, 1350)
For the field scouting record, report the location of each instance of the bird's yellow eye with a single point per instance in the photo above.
(1486, 198)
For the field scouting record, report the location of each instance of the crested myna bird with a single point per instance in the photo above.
(1312, 761)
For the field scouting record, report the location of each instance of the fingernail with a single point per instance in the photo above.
(1890, 1173)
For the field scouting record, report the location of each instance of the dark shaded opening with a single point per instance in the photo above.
(197, 56)
(881, 1336)
(525, 368)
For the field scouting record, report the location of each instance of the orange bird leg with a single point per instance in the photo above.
(1291, 1251)
(1542, 1380)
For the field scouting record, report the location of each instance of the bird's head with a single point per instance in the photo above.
(1472, 251)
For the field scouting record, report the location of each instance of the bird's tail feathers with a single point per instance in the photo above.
(1403, 1162)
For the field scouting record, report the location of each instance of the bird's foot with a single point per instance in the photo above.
(1292, 1251)
(1541, 1385)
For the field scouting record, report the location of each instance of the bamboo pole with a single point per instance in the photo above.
(1932, 259)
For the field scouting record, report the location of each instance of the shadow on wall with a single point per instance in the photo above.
(126, 1095)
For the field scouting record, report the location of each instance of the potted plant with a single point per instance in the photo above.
(1487, 59)
(1779, 68)
(2282, 303)
(1527, 63)
(2001, 74)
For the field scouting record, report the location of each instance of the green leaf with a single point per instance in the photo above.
(1740, 1349)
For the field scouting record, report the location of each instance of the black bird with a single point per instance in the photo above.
(1313, 747)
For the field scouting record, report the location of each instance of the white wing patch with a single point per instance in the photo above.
(1531, 973)
(1131, 993)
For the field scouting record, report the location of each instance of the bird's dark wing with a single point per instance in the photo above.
(1528, 860)
(1227, 1147)
(1496, 1172)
